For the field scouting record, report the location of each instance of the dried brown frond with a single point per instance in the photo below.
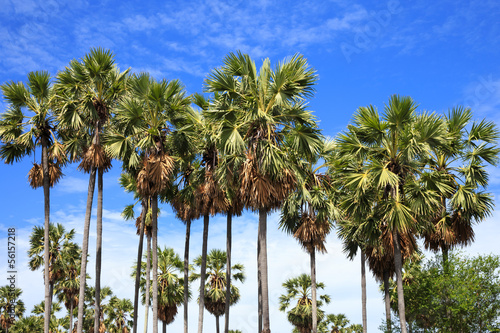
(210, 198)
(167, 313)
(154, 175)
(35, 175)
(95, 156)
(101, 109)
(449, 232)
(312, 233)
(217, 308)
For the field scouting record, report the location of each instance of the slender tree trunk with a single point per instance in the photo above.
(217, 327)
(259, 290)
(148, 281)
(46, 242)
(228, 270)
(363, 291)
(398, 265)
(313, 292)
(98, 251)
(85, 249)
(71, 317)
(387, 298)
(164, 326)
(186, 274)
(139, 266)
(262, 269)
(206, 219)
(154, 207)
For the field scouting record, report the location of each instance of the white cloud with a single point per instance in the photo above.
(70, 184)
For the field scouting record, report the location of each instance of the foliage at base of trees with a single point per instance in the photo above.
(464, 297)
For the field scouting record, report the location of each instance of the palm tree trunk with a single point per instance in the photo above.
(259, 290)
(85, 249)
(387, 298)
(206, 219)
(262, 269)
(148, 279)
(186, 274)
(217, 327)
(139, 265)
(398, 265)
(71, 316)
(98, 251)
(313, 292)
(228, 270)
(363, 291)
(164, 326)
(46, 197)
(154, 208)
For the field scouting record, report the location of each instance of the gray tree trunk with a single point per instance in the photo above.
(228, 270)
(46, 242)
(398, 265)
(363, 291)
(313, 292)
(148, 280)
(85, 249)
(217, 326)
(206, 220)
(71, 316)
(387, 299)
(262, 269)
(164, 326)
(98, 254)
(186, 274)
(154, 208)
(139, 266)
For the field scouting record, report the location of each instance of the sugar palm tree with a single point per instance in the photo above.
(10, 297)
(87, 91)
(463, 201)
(297, 296)
(27, 324)
(395, 147)
(216, 283)
(118, 313)
(29, 123)
(260, 108)
(61, 251)
(144, 122)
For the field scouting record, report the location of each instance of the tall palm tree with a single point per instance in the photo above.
(88, 90)
(298, 290)
(28, 123)
(145, 119)
(118, 313)
(10, 297)
(308, 213)
(260, 108)
(216, 283)
(395, 147)
(462, 201)
(62, 250)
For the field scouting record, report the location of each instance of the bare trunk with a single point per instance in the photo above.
(148, 281)
(154, 208)
(363, 291)
(85, 249)
(228, 271)
(206, 219)
(46, 197)
(71, 316)
(98, 252)
(387, 298)
(139, 267)
(164, 326)
(259, 290)
(262, 269)
(398, 265)
(217, 327)
(186, 274)
(313, 292)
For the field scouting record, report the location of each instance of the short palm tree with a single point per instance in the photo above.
(118, 313)
(87, 91)
(259, 109)
(28, 123)
(27, 324)
(10, 297)
(216, 283)
(395, 146)
(297, 297)
(145, 119)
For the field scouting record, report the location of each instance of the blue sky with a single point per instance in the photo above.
(442, 53)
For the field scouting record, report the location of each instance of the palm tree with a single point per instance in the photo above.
(118, 312)
(462, 201)
(87, 92)
(28, 123)
(216, 283)
(298, 290)
(61, 251)
(259, 109)
(10, 297)
(145, 120)
(27, 324)
(394, 147)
